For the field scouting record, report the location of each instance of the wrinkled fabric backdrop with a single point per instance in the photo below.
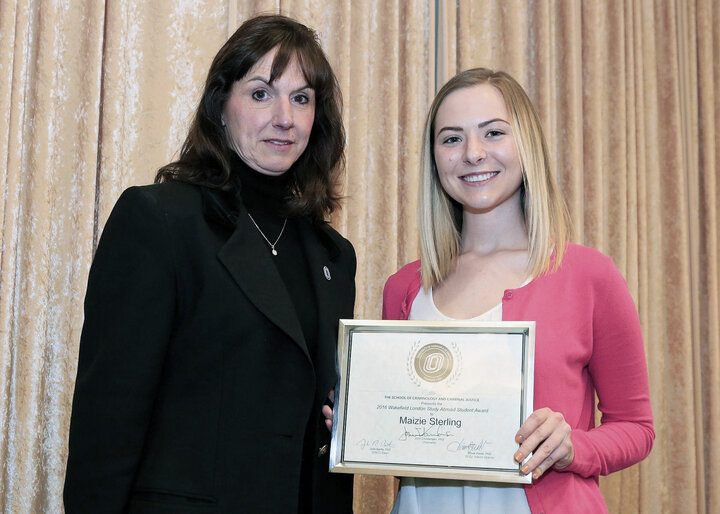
(95, 96)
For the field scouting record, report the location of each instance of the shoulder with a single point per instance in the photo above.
(141, 226)
(586, 260)
(576, 253)
(338, 247)
(403, 283)
(166, 196)
(400, 290)
(169, 204)
(150, 211)
(343, 244)
(589, 265)
(403, 278)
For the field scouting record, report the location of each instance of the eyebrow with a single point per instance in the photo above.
(265, 81)
(258, 77)
(480, 125)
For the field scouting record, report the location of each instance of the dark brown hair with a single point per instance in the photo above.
(205, 154)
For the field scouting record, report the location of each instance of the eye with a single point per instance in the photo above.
(451, 140)
(301, 98)
(259, 95)
(495, 133)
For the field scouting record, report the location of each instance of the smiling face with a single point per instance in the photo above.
(475, 152)
(269, 124)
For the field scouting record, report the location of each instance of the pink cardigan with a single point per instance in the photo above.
(587, 341)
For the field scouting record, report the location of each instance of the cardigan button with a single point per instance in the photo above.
(323, 450)
(508, 294)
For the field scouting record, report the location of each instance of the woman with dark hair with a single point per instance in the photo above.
(208, 348)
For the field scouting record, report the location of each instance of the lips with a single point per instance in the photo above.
(479, 177)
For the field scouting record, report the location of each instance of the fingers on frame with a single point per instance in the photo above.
(549, 445)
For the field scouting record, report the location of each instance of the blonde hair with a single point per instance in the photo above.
(440, 217)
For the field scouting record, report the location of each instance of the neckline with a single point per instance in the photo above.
(263, 195)
(435, 309)
(474, 318)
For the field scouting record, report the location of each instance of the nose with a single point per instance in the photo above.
(474, 150)
(282, 114)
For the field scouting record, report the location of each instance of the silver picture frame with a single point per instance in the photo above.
(439, 399)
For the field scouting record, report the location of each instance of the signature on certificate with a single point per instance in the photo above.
(423, 433)
(468, 447)
(378, 444)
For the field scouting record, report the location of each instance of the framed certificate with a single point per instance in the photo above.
(433, 398)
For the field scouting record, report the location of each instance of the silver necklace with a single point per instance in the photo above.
(272, 245)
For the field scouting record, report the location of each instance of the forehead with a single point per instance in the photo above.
(292, 71)
(471, 105)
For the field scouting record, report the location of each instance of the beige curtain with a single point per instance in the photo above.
(98, 95)
(94, 98)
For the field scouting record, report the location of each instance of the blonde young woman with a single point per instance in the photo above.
(494, 235)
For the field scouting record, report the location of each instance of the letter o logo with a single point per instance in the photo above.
(433, 362)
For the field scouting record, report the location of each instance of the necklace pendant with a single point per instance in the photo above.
(272, 245)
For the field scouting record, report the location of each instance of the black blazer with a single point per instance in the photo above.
(194, 385)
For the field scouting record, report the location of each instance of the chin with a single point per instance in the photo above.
(274, 168)
(273, 173)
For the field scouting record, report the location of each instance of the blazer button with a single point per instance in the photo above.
(323, 450)
(326, 271)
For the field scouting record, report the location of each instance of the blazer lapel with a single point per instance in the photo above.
(331, 287)
(247, 258)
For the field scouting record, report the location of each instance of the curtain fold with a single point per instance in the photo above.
(704, 122)
(50, 71)
(98, 95)
(155, 60)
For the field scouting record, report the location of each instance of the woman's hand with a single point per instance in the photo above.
(327, 410)
(547, 434)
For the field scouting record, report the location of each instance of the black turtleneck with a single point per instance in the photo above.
(265, 197)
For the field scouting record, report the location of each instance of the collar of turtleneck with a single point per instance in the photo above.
(263, 194)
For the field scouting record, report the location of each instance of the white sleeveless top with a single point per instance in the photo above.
(430, 496)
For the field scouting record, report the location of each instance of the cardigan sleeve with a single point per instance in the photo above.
(400, 290)
(619, 373)
(392, 299)
(129, 314)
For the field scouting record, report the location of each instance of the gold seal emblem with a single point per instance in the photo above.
(433, 362)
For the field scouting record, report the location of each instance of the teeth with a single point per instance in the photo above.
(279, 142)
(480, 177)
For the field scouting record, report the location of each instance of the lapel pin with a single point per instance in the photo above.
(327, 272)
